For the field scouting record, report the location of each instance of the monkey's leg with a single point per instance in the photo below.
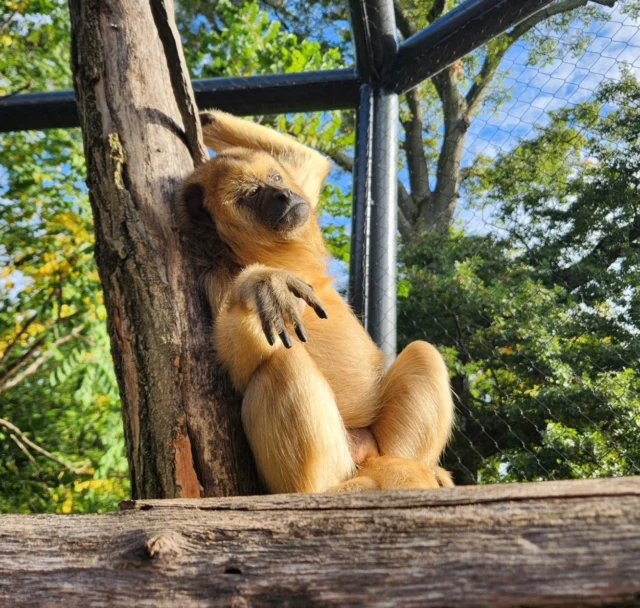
(289, 413)
(416, 414)
(293, 425)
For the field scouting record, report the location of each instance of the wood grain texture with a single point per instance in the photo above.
(550, 544)
(182, 423)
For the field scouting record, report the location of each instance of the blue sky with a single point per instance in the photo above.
(535, 91)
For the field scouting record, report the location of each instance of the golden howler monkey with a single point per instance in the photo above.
(319, 410)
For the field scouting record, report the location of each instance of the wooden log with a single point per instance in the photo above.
(548, 544)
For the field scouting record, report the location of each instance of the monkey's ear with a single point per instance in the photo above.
(193, 198)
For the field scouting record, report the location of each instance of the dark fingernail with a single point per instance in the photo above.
(271, 339)
(286, 339)
(322, 313)
(301, 333)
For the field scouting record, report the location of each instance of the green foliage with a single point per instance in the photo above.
(539, 321)
(56, 378)
(34, 35)
(77, 418)
(243, 41)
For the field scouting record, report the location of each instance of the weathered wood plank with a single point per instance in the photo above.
(463, 495)
(552, 544)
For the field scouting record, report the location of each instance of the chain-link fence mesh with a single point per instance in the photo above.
(519, 258)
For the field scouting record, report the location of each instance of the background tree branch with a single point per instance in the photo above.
(12, 378)
(23, 441)
(414, 149)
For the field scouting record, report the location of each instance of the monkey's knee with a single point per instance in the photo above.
(416, 416)
(423, 360)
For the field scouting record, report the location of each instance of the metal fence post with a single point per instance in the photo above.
(381, 284)
(381, 280)
(361, 206)
(372, 267)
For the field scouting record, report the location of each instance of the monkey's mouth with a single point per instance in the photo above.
(293, 217)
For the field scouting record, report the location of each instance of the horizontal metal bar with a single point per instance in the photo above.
(280, 93)
(38, 111)
(272, 94)
(454, 35)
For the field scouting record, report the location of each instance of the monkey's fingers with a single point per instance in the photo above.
(291, 311)
(267, 328)
(278, 323)
(312, 301)
(300, 332)
(265, 308)
(286, 339)
(302, 290)
(277, 319)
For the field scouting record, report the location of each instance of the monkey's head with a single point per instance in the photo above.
(251, 201)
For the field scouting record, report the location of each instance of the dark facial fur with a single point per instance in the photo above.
(240, 193)
(278, 209)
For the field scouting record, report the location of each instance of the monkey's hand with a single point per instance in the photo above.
(276, 295)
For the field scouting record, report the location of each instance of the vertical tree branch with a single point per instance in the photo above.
(180, 81)
(414, 149)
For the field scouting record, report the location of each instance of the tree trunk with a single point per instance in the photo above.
(445, 199)
(184, 437)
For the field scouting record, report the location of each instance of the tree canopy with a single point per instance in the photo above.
(539, 319)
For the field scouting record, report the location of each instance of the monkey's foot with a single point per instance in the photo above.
(393, 473)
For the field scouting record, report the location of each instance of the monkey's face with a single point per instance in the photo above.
(251, 198)
(269, 201)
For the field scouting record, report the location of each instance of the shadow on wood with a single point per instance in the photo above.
(546, 544)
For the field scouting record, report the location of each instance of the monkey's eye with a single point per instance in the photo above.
(252, 192)
(277, 178)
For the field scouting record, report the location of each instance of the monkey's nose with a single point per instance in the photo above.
(283, 196)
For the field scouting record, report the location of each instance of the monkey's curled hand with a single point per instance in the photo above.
(276, 295)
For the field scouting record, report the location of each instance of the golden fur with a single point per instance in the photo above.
(306, 403)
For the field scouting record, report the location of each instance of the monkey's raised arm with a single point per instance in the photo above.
(307, 167)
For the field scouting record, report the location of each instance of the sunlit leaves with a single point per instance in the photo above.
(537, 320)
(56, 377)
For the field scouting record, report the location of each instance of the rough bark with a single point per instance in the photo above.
(548, 544)
(181, 422)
